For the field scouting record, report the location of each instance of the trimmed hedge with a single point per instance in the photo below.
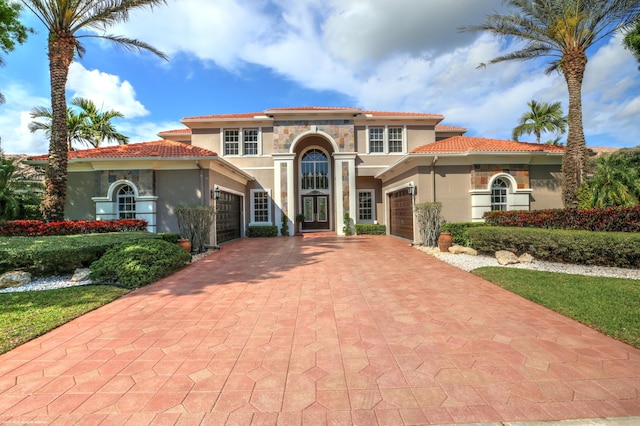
(60, 255)
(36, 228)
(370, 229)
(263, 231)
(619, 249)
(137, 263)
(613, 219)
(460, 231)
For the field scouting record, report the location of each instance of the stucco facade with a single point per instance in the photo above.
(322, 163)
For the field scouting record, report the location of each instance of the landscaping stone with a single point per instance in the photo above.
(80, 274)
(470, 251)
(14, 279)
(526, 258)
(505, 257)
(456, 249)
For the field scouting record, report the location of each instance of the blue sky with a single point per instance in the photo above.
(232, 56)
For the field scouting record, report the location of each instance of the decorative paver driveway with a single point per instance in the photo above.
(319, 330)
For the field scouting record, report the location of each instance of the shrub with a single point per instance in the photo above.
(195, 223)
(284, 230)
(35, 228)
(429, 220)
(370, 229)
(263, 231)
(619, 249)
(137, 263)
(58, 254)
(613, 219)
(459, 231)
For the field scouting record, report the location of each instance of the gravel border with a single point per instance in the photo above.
(462, 261)
(469, 263)
(50, 283)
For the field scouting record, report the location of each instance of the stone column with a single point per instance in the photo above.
(346, 198)
(283, 189)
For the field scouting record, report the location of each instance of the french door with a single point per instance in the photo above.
(315, 209)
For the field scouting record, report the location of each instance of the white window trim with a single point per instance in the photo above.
(240, 141)
(385, 139)
(269, 207)
(373, 219)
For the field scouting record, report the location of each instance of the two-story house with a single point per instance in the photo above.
(318, 162)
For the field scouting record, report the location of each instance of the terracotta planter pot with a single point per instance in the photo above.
(185, 244)
(445, 240)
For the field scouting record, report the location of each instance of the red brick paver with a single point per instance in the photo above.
(319, 330)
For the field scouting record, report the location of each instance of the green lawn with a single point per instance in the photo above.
(610, 305)
(26, 315)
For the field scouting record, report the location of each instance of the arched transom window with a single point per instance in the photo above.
(315, 170)
(126, 203)
(499, 192)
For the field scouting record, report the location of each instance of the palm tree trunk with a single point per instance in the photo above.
(61, 49)
(573, 161)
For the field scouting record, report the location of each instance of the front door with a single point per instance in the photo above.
(315, 209)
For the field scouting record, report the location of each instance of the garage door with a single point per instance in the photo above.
(401, 214)
(229, 217)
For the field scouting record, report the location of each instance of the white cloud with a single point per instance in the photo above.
(107, 91)
(14, 121)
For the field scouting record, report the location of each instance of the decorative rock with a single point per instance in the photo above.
(14, 279)
(470, 251)
(526, 258)
(505, 257)
(80, 274)
(456, 249)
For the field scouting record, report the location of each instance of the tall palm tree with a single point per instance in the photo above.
(541, 117)
(89, 126)
(67, 22)
(562, 30)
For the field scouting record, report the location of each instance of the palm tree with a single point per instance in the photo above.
(542, 117)
(98, 125)
(632, 41)
(562, 30)
(67, 22)
(89, 126)
(9, 205)
(614, 183)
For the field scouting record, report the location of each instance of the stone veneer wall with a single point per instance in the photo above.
(284, 194)
(143, 179)
(481, 174)
(342, 131)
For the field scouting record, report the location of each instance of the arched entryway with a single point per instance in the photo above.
(315, 189)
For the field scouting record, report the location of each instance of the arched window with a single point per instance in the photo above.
(315, 170)
(126, 203)
(499, 192)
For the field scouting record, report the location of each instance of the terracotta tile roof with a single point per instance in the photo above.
(185, 131)
(161, 149)
(401, 114)
(464, 144)
(314, 108)
(450, 129)
(223, 116)
(249, 115)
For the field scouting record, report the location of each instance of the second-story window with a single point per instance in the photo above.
(395, 139)
(231, 142)
(250, 141)
(376, 139)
